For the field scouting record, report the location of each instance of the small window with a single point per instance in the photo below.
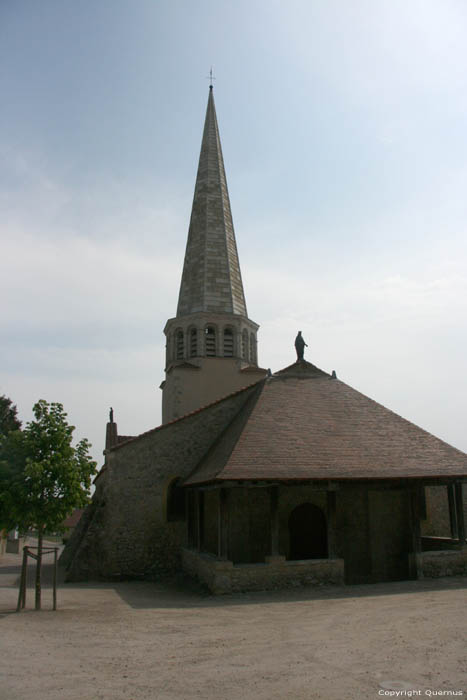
(245, 345)
(179, 345)
(210, 341)
(228, 342)
(193, 342)
(175, 502)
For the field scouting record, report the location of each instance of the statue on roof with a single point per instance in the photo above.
(111, 415)
(300, 346)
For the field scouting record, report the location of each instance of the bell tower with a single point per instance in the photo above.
(211, 347)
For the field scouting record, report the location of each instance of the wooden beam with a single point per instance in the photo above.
(223, 525)
(274, 496)
(460, 514)
(197, 510)
(452, 511)
(415, 498)
(331, 523)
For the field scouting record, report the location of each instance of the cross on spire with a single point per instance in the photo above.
(211, 77)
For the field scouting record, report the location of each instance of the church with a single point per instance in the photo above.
(258, 480)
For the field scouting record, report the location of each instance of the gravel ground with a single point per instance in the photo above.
(171, 641)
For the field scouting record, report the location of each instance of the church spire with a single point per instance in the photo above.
(211, 348)
(211, 279)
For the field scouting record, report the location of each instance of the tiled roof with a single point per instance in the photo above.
(303, 424)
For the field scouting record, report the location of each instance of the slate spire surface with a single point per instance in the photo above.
(211, 279)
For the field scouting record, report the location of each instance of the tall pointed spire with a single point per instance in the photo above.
(211, 280)
(211, 347)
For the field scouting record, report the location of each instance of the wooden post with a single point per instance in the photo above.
(25, 582)
(188, 518)
(452, 511)
(197, 509)
(415, 527)
(223, 525)
(201, 519)
(331, 522)
(460, 514)
(40, 537)
(274, 494)
(55, 578)
(22, 584)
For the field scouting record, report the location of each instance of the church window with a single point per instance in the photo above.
(210, 341)
(245, 345)
(179, 345)
(193, 342)
(175, 501)
(228, 342)
(252, 348)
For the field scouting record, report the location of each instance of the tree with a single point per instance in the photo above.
(48, 477)
(9, 423)
(8, 416)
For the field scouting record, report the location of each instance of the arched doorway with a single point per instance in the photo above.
(308, 533)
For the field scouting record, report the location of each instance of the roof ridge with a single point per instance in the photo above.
(301, 368)
(240, 416)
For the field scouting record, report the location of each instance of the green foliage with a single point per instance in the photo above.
(43, 475)
(8, 416)
(12, 457)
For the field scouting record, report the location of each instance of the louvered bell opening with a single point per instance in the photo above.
(210, 341)
(228, 342)
(193, 342)
(252, 348)
(245, 345)
(179, 346)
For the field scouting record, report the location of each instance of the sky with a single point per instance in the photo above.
(343, 127)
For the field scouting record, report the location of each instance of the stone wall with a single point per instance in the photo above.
(437, 522)
(276, 573)
(437, 511)
(125, 532)
(443, 563)
(197, 382)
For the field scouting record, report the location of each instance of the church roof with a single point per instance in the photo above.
(211, 279)
(301, 423)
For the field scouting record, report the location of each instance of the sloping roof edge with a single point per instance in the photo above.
(187, 415)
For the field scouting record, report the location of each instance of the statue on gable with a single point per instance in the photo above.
(300, 346)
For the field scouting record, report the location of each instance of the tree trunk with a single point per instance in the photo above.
(40, 533)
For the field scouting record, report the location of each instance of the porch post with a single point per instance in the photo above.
(452, 511)
(188, 518)
(415, 527)
(331, 523)
(197, 509)
(274, 494)
(223, 525)
(460, 513)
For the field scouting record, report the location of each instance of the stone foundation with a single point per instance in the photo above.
(443, 563)
(276, 573)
